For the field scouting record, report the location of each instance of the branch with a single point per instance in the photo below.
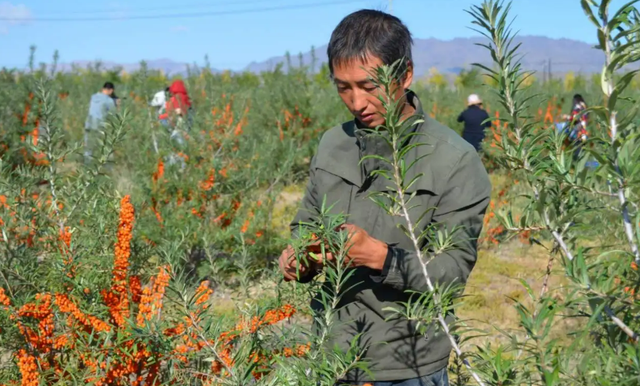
(49, 150)
(613, 126)
(556, 235)
(525, 229)
(547, 275)
(628, 228)
(621, 324)
(206, 342)
(416, 244)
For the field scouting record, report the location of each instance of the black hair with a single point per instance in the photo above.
(166, 89)
(370, 32)
(108, 86)
(579, 99)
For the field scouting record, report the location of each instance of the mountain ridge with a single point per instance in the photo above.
(446, 56)
(450, 56)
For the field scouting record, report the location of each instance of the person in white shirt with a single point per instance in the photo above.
(160, 102)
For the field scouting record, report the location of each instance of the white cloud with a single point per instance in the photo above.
(180, 28)
(14, 15)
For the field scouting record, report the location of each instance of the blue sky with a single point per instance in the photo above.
(235, 32)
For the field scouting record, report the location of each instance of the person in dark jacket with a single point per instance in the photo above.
(476, 120)
(387, 269)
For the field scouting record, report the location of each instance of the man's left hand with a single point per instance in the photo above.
(364, 250)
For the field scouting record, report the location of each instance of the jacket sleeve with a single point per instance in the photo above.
(487, 124)
(462, 206)
(461, 117)
(307, 211)
(111, 104)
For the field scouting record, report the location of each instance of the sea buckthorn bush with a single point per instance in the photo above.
(154, 264)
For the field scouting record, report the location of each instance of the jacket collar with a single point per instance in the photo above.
(370, 143)
(341, 152)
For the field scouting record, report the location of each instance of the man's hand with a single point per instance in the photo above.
(364, 250)
(292, 269)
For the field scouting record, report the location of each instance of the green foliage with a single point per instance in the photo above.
(205, 209)
(468, 79)
(565, 196)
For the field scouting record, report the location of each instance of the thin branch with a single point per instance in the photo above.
(525, 229)
(547, 275)
(51, 158)
(204, 339)
(416, 244)
(561, 243)
(613, 126)
(606, 194)
(556, 235)
(626, 329)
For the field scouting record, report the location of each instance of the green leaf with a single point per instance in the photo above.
(626, 8)
(586, 7)
(413, 181)
(604, 81)
(621, 85)
(604, 6)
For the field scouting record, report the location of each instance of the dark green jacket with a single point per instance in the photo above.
(454, 182)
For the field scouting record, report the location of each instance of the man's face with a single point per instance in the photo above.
(359, 94)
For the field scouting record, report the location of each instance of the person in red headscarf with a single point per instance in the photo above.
(179, 104)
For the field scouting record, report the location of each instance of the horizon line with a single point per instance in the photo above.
(257, 61)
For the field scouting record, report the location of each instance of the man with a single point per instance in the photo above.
(475, 119)
(385, 263)
(100, 105)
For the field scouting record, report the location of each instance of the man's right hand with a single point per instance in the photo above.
(289, 266)
(292, 269)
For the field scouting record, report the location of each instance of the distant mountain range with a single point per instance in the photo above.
(451, 56)
(447, 56)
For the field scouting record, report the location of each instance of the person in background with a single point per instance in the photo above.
(178, 107)
(159, 101)
(577, 124)
(100, 106)
(177, 117)
(476, 120)
(577, 120)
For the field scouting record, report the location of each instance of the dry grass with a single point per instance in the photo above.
(496, 284)
(285, 208)
(496, 278)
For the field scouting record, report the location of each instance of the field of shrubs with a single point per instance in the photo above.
(157, 263)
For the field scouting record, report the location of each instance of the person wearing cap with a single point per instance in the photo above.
(100, 105)
(476, 120)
